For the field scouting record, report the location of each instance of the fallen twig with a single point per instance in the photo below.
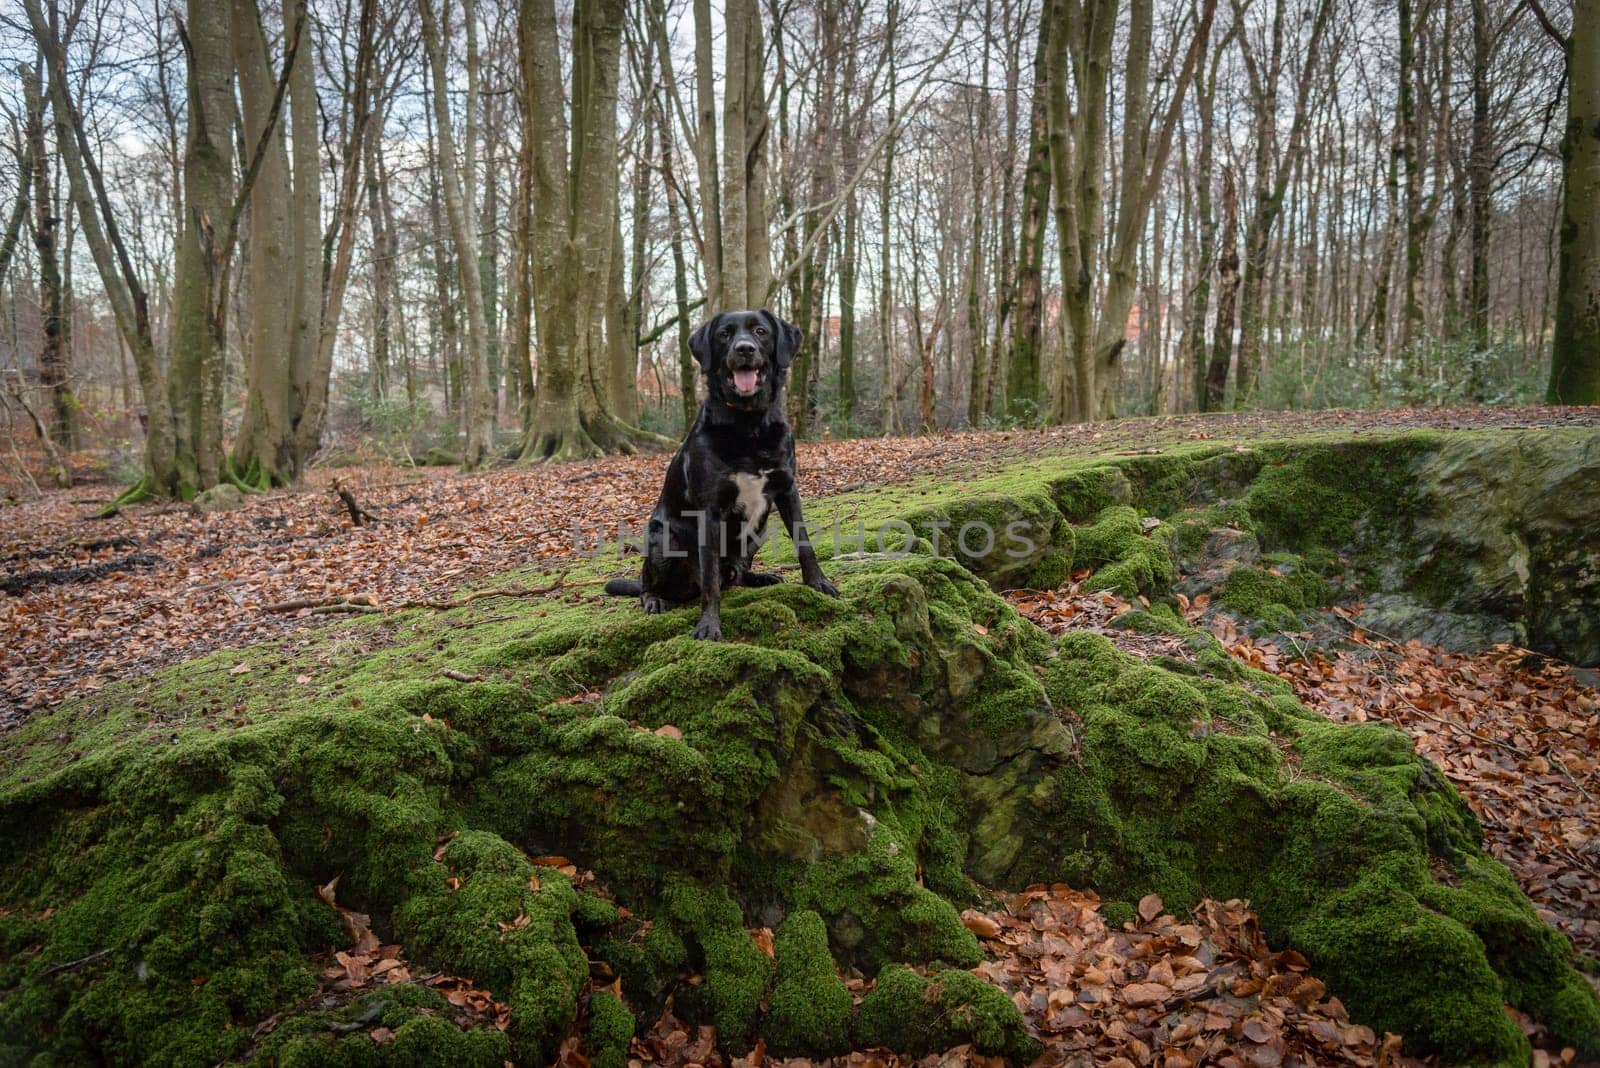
(459, 676)
(67, 966)
(321, 602)
(359, 516)
(560, 583)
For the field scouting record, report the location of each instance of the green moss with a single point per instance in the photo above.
(914, 1015)
(1010, 540)
(611, 1030)
(1276, 594)
(496, 927)
(736, 971)
(1337, 855)
(422, 1034)
(860, 762)
(809, 1012)
(1117, 913)
(1127, 559)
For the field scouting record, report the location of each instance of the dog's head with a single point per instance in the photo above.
(745, 356)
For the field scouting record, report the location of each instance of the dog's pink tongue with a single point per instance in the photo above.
(745, 381)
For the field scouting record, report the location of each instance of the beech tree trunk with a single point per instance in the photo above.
(54, 373)
(1216, 383)
(888, 398)
(746, 243)
(201, 284)
(1575, 358)
(124, 293)
(1024, 382)
(574, 229)
(309, 362)
(263, 453)
(477, 410)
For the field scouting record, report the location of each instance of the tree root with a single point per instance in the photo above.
(255, 478)
(142, 490)
(559, 446)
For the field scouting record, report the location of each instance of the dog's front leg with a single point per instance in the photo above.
(795, 524)
(710, 626)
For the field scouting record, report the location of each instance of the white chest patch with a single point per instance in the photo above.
(752, 499)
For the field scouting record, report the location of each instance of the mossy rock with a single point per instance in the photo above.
(1278, 594)
(810, 1009)
(1338, 835)
(848, 772)
(915, 1015)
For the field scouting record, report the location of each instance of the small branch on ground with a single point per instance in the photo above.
(359, 516)
(530, 591)
(320, 602)
(459, 676)
(364, 603)
(70, 965)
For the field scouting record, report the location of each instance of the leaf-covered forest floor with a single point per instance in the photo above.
(85, 602)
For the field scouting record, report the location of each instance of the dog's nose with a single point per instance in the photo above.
(745, 348)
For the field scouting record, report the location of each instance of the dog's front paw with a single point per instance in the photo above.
(708, 630)
(653, 605)
(822, 585)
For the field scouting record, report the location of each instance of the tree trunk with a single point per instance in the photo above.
(888, 399)
(1199, 298)
(746, 244)
(62, 424)
(1575, 358)
(706, 158)
(976, 384)
(477, 409)
(1411, 158)
(262, 452)
(385, 251)
(622, 333)
(1216, 384)
(573, 228)
(310, 362)
(847, 319)
(199, 331)
(1480, 176)
(522, 270)
(1024, 388)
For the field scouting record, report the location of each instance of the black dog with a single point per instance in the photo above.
(735, 464)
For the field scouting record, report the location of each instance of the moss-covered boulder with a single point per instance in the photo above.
(918, 1014)
(1351, 848)
(846, 772)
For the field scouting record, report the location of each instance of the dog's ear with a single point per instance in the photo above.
(788, 338)
(700, 343)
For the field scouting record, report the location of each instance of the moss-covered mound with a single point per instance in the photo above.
(848, 773)
(1461, 538)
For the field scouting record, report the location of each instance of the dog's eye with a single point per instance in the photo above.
(761, 331)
